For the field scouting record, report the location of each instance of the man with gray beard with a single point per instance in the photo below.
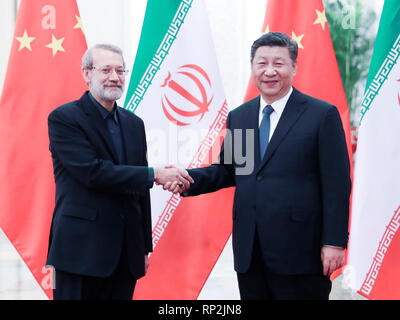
(101, 233)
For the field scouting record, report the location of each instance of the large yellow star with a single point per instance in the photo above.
(78, 23)
(56, 45)
(25, 41)
(266, 29)
(321, 18)
(298, 39)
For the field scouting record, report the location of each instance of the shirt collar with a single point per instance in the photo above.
(103, 111)
(278, 105)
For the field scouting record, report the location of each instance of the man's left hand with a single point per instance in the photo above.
(332, 259)
(146, 263)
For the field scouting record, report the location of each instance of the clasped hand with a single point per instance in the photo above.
(172, 178)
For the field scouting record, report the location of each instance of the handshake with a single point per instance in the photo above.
(172, 178)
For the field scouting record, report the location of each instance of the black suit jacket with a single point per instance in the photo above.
(297, 196)
(99, 202)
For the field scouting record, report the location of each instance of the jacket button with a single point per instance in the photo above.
(259, 178)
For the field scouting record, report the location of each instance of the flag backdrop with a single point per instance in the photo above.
(43, 72)
(317, 70)
(373, 262)
(176, 89)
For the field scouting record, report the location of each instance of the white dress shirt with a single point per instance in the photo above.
(278, 107)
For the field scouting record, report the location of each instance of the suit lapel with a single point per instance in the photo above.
(293, 109)
(249, 120)
(98, 124)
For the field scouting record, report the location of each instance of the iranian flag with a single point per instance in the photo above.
(176, 89)
(373, 261)
(43, 72)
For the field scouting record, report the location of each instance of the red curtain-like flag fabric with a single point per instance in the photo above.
(43, 72)
(317, 70)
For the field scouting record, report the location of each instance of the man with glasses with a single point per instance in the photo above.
(101, 229)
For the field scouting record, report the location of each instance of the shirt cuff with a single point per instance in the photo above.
(151, 177)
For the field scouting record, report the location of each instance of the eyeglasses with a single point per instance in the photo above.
(107, 71)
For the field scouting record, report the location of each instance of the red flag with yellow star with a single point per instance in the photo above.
(43, 72)
(317, 70)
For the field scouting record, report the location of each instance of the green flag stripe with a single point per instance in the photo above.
(389, 29)
(381, 76)
(161, 25)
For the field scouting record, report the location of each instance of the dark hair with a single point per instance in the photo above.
(275, 39)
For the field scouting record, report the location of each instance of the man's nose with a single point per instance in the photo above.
(114, 75)
(269, 70)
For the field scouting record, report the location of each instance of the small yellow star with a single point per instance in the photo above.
(78, 23)
(25, 41)
(266, 29)
(321, 18)
(56, 45)
(298, 39)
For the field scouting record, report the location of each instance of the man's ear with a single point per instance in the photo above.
(86, 75)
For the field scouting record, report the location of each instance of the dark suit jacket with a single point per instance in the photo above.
(99, 203)
(297, 196)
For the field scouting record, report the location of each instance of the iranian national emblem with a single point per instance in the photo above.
(398, 95)
(187, 95)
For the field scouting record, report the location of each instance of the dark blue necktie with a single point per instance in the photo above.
(264, 130)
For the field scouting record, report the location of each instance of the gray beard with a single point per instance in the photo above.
(105, 93)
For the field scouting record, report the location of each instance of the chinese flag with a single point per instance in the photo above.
(43, 72)
(317, 71)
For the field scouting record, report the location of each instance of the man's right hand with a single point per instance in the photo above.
(173, 178)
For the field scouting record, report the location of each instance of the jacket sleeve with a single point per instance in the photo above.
(334, 167)
(71, 146)
(146, 207)
(217, 176)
